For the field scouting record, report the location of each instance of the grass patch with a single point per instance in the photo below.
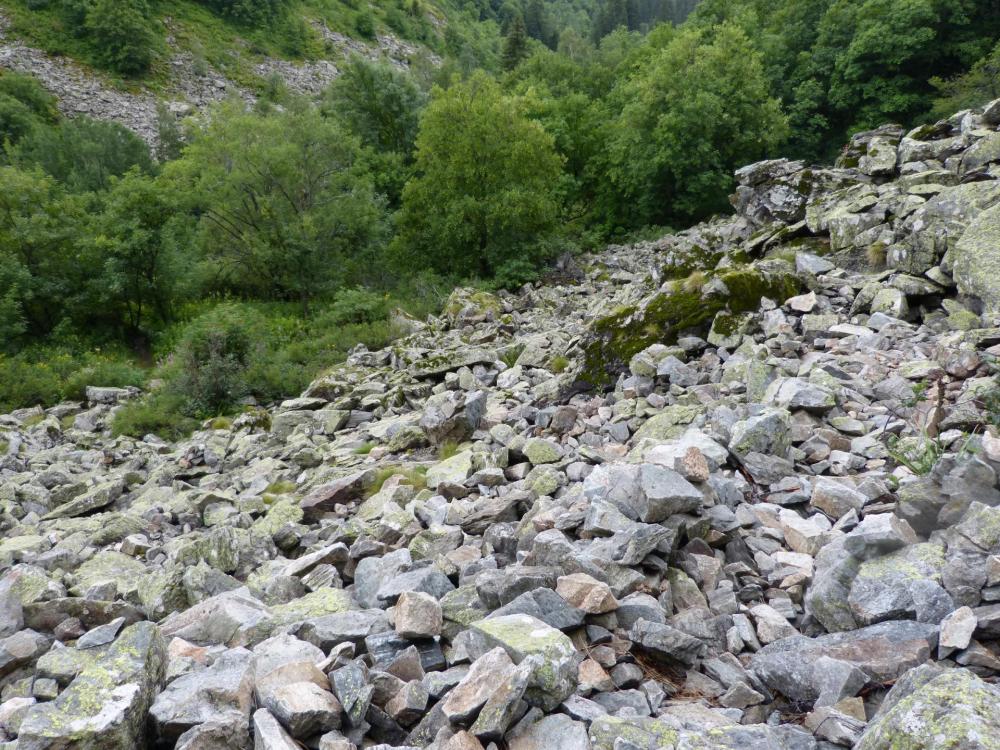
(415, 477)
(364, 449)
(448, 449)
(160, 414)
(559, 364)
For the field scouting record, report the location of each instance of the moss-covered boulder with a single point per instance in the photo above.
(471, 306)
(955, 710)
(554, 677)
(662, 317)
(107, 703)
(976, 260)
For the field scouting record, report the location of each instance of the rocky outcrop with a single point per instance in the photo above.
(771, 521)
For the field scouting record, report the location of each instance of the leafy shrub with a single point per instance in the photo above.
(84, 154)
(24, 383)
(212, 360)
(248, 12)
(46, 376)
(161, 413)
(515, 273)
(123, 34)
(355, 305)
(102, 371)
(364, 24)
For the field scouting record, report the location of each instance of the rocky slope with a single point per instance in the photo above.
(192, 86)
(736, 488)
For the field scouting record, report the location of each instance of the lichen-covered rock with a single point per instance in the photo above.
(885, 587)
(976, 259)
(522, 636)
(954, 709)
(107, 704)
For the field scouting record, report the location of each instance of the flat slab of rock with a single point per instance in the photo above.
(883, 652)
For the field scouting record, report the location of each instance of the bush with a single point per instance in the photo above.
(46, 376)
(109, 373)
(123, 34)
(160, 413)
(356, 305)
(212, 361)
(24, 383)
(248, 12)
(84, 154)
(364, 24)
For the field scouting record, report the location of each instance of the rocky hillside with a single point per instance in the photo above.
(736, 488)
(187, 81)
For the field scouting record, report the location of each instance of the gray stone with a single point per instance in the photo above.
(107, 704)
(522, 637)
(220, 692)
(883, 652)
(418, 615)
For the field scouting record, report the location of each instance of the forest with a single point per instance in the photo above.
(256, 245)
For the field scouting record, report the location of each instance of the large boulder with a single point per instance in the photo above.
(107, 704)
(555, 674)
(932, 708)
(883, 652)
(976, 260)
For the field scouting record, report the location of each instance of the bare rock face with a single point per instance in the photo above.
(781, 496)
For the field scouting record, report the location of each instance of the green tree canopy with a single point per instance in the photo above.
(485, 190)
(137, 244)
(84, 154)
(699, 109)
(39, 226)
(377, 103)
(123, 34)
(287, 207)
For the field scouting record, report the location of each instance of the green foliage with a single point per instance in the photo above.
(364, 24)
(377, 103)
(249, 12)
(974, 88)
(918, 453)
(83, 154)
(844, 65)
(448, 449)
(47, 375)
(123, 34)
(287, 208)
(688, 120)
(515, 44)
(161, 413)
(39, 223)
(212, 362)
(138, 241)
(24, 105)
(485, 190)
(559, 364)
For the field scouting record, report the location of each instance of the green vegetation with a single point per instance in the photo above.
(484, 193)
(260, 244)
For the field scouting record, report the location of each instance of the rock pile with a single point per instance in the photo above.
(736, 488)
